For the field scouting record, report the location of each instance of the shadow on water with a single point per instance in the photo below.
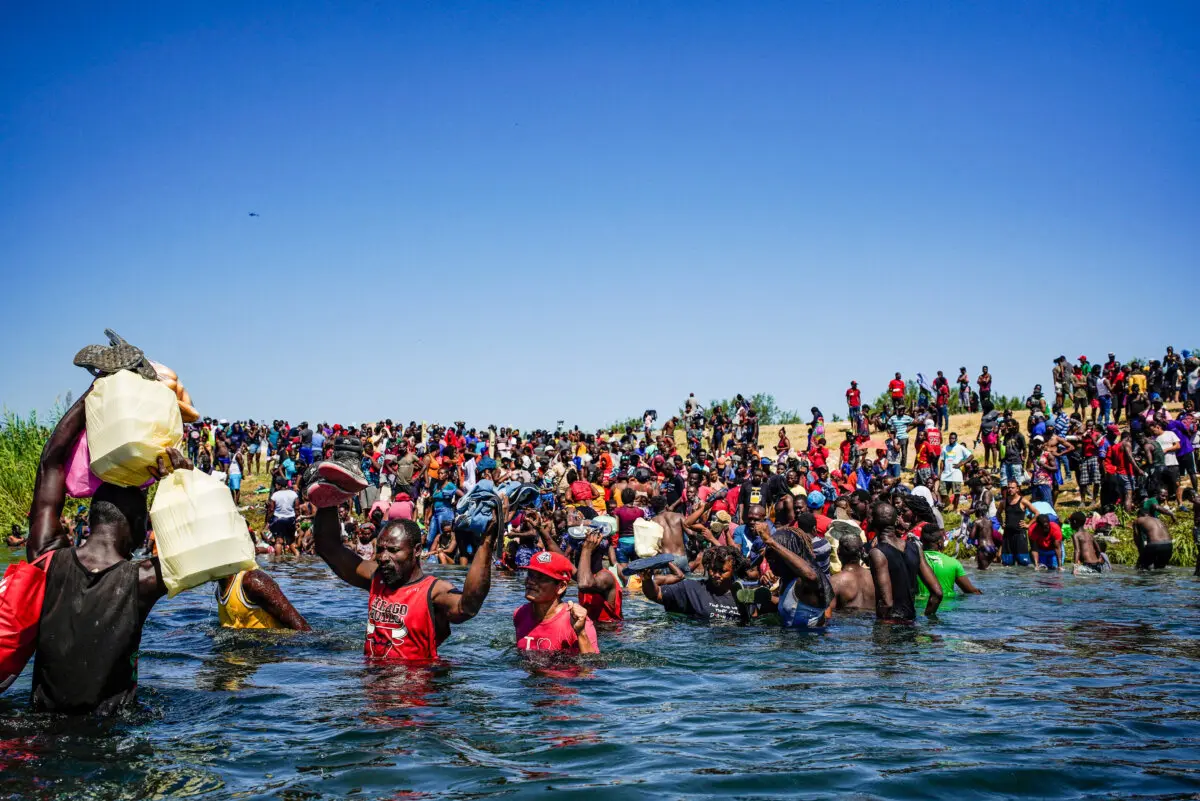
(1047, 685)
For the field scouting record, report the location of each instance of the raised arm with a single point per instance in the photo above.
(459, 607)
(794, 560)
(587, 580)
(262, 590)
(346, 564)
(50, 488)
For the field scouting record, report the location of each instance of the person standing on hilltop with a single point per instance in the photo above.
(896, 391)
(854, 403)
(942, 387)
(985, 390)
(964, 389)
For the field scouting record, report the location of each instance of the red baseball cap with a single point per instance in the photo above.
(554, 565)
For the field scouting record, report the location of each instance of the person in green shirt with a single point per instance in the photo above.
(948, 570)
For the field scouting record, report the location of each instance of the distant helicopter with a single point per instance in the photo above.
(255, 214)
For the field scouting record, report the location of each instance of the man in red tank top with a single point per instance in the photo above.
(599, 590)
(408, 613)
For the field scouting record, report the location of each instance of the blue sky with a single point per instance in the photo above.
(518, 213)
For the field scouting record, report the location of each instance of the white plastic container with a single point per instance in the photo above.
(200, 535)
(131, 421)
(647, 538)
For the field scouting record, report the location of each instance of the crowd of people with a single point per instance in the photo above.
(698, 516)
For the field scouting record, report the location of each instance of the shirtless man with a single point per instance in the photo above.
(97, 599)
(408, 613)
(1152, 539)
(853, 585)
(1088, 561)
(673, 541)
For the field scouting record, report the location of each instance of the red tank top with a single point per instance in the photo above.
(400, 622)
(1119, 460)
(599, 609)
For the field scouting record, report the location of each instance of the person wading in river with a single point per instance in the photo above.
(96, 598)
(408, 613)
(547, 622)
(896, 563)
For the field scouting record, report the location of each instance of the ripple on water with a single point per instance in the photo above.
(1047, 686)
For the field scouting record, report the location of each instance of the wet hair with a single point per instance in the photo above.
(805, 521)
(627, 495)
(113, 505)
(658, 503)
(794, 540)
(1077, 520)
(715, 558)
(406, 530)
(922, 511)
(850, 550)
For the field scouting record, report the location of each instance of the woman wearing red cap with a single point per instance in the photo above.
(547, 623)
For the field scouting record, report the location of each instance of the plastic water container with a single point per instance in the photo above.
(130, 422)
(647, 538)
(201, 537)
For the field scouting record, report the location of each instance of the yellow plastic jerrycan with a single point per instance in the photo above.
(200, 534)
(130, 422)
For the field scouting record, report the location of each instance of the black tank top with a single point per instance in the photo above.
(903, 568)
(91, 628)
(1013, 515)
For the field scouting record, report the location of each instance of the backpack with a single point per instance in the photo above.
(21, 593)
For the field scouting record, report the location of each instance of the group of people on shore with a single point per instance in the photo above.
(713, 528)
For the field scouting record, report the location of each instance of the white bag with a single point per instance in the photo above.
(647, 538)
(200, 535)
(131, 421)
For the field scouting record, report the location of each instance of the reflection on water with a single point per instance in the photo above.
(1047, 686)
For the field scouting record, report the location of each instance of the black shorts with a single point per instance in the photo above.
(284, 528)
(1170, 478)
(1154, 555)
(1187, 463)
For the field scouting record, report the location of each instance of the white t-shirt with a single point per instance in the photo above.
(953, 456)
(468, 470)
(285, 503)
(1167, 439)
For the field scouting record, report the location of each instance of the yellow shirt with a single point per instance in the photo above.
(235, 612)
(1137, 380)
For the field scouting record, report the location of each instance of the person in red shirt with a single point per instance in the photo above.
(896, 389)
(854, 402)
(547, 622)
(408, 613)
(1046, 540)
(599, 590)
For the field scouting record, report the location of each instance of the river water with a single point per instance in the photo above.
(1048, 685)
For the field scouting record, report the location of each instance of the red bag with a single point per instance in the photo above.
(21, 593)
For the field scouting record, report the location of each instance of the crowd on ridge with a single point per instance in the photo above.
(697, 515)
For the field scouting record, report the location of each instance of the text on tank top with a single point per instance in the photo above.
(88, 639)
(400, 621)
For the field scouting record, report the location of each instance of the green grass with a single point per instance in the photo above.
(1122, 552)
(21, 442)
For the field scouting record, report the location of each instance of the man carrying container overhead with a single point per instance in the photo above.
(409, 614)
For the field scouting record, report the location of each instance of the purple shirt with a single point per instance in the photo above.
(1185, 439)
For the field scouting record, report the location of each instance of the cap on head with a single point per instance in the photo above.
(554, 565)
